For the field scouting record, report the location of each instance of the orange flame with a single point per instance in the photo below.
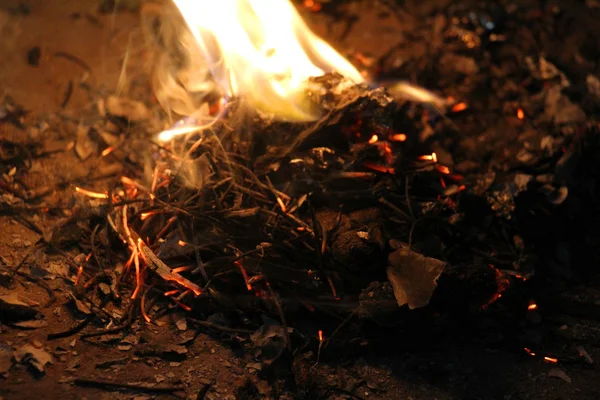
(262, 50)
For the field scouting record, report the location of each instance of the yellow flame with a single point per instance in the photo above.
(264, 51)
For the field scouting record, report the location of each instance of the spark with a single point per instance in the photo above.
(520, 113)
(551, 359)
(171, 292)
(89, 193)
(320, 335)
(532, 306)
(373, 139)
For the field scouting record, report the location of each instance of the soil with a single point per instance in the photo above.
(472, 361)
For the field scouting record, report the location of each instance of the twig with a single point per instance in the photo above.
(281, 316)
(72, 331)
(106, 384)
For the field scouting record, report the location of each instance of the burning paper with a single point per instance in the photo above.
(261, 50)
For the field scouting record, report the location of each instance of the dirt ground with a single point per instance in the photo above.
(432, 366)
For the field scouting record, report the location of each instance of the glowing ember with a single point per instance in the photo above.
(262, 50)
(281, 204)
(320, 335)
(551, 359)
(89, 193)
(459, 107)
(528, 351)
(532, 306)
(398, 137)
(429, 157)
(443, 169)
(373, 139)
(520, 113)
(107, 151)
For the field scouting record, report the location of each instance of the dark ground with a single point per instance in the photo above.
(477, 360)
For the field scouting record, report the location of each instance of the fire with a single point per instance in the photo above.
(261, 50)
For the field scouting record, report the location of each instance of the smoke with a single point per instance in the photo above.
(181, 78)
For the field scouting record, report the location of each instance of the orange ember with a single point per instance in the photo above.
(373, 139)
(107, 151)
(532, 306)
(281, 205)
(528, 351)
(397, 137)
(551, 360)
(379, 168)
(89, 193)
(443, 169)
(429, 157)
(462, 106)
(520, 113)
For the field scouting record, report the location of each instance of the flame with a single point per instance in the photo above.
(261, 50)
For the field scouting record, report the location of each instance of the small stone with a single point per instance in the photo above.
(37, 343)
(254, 366)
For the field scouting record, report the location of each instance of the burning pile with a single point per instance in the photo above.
(296, 190)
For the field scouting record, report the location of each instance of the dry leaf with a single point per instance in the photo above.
(413, 277)
(37, 358)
